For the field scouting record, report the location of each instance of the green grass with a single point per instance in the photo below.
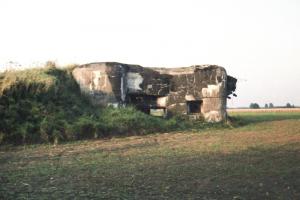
(257, 158)
(254, 117)
(40, 105)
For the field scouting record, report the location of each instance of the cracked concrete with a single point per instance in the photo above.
(200, 91)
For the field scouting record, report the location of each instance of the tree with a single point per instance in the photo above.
(271, 105)
(288, 105)
(266, 105)
(254, 106)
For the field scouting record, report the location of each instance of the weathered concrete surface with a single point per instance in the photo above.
(199, 90)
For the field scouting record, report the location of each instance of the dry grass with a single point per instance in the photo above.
(258, 160)
(271, 110)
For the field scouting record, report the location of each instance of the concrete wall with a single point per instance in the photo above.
(170, 88)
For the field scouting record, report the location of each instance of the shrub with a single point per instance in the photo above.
(84, 128)
(125, 121)
(54, 130)
(39, 105)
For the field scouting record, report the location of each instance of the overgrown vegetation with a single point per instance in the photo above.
(45, 105)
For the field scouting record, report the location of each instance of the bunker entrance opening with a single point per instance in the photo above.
(194, 107)
(147, 104)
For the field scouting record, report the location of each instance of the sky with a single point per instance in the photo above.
(257, 41)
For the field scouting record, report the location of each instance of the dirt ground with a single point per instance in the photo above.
(257, 159)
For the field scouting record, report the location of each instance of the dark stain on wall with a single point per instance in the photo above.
(176, 90)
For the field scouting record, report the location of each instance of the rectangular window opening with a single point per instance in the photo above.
(194, 107)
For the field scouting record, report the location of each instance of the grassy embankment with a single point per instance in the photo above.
(45, 106)
(258, 159)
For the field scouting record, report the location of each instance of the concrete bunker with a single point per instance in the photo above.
(199, 90)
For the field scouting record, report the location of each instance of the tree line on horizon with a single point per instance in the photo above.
(270, 105)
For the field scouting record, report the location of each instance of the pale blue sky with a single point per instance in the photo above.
(257, 41)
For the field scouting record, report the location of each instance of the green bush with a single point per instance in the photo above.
(84, 128)
(39, 105)
(54, 130)
(129, 121)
